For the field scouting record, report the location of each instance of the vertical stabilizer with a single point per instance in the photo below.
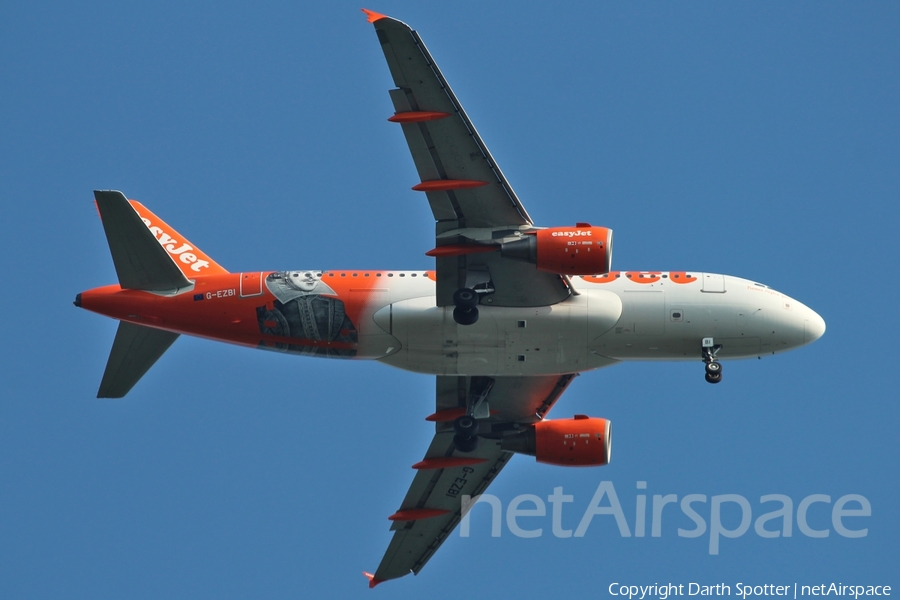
(141, 261)
(191, 260)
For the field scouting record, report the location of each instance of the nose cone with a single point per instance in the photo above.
(813, 327)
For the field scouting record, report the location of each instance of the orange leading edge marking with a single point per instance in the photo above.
(417, 116)
(442, 185)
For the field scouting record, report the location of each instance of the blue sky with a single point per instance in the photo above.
(754, 139)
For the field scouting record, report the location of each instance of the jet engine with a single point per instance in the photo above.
(579, 250)
(581, 441)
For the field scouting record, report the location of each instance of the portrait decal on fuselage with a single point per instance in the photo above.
(307, 310)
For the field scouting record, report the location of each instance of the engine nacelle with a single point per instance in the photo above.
(581, 441)
(579, 250)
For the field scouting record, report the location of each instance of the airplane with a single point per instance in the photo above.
(509, 316)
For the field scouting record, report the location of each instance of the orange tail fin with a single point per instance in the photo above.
(190, 259)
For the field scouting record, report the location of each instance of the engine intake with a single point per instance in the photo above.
(581, 441)
(579, 250)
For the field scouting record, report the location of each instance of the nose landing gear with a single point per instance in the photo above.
(713, 366)
(716, 376)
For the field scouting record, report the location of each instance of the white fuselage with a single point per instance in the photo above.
(622, 318)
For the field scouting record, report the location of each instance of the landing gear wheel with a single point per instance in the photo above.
(466, 302)
(465, 298)
(713, 366)
(466, 438)
(465, 316)
(465, 426)
(465, 444)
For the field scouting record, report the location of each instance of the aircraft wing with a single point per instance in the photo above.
(470, 198)
(433, 505)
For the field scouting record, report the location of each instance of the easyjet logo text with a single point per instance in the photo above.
(577, 233)
(183, 251)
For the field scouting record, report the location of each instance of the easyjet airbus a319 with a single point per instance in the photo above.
(509, 316)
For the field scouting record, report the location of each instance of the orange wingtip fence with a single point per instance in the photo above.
(372, 15)
(372, 581)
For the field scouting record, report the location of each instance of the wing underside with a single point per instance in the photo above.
(447, 148)
(433, 505)
(438, 490)
(470, 197)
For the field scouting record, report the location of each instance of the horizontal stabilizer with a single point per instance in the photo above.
(141, 262)
(135, 349)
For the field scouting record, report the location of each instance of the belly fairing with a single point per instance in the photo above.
(504, 340)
